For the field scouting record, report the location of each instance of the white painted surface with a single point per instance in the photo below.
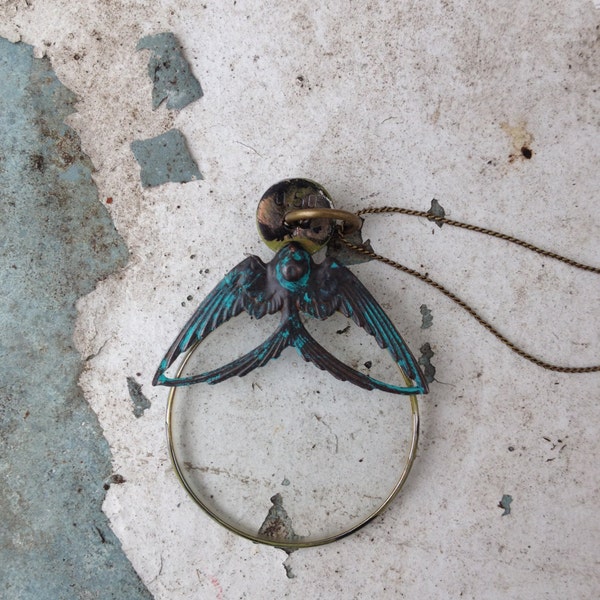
(399, 103)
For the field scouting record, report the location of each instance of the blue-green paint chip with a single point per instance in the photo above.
(437, 210)
(169, 71)
(140, 402)
(278, 524)
(425, 361)
(426, 317)
(165, 158)
(505, 503)
(57, 242)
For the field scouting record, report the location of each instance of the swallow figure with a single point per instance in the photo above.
(292, 284)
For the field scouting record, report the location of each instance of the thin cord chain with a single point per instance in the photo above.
(454, 297)
(491, 232)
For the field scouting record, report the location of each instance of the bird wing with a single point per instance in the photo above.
(243, 288)
(336, 288)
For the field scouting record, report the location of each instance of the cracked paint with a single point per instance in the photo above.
(165, 158)
(426, 317)
(278, 524)
(169, 71)
(57, 242)
(505, 503)
(140, 402)
(437, 210)
(425, 362)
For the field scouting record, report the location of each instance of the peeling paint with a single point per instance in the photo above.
(437, 210)
(140, 402)
(426, 317)
(170, 73)
(165, 158)
(425, 362)
(505, 504)
(289, 573)
(277, 524)
(57, 242)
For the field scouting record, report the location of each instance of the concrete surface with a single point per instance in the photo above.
(491, 109)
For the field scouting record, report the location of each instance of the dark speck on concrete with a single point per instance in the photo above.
(116, 478)
(169, 71)
(101, 534)
(140, 402)
(57, 242)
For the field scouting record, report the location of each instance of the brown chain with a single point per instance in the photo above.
(454, 297)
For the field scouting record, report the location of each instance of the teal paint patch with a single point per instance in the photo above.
(426, 317)
(278, 524)
(169, 71)
(437, 211)
(425, 362)
(57, 242)
(505, 503)
(165, 158)
(140, 402)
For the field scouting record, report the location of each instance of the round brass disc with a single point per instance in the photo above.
(292, 195)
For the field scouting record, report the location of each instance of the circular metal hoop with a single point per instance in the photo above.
(282, 543)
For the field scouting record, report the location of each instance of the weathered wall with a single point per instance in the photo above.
(383, 103)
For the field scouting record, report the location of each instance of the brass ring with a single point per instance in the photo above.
(351, 221)
(291, 544)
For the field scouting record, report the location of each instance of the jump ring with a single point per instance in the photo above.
(352, 222)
